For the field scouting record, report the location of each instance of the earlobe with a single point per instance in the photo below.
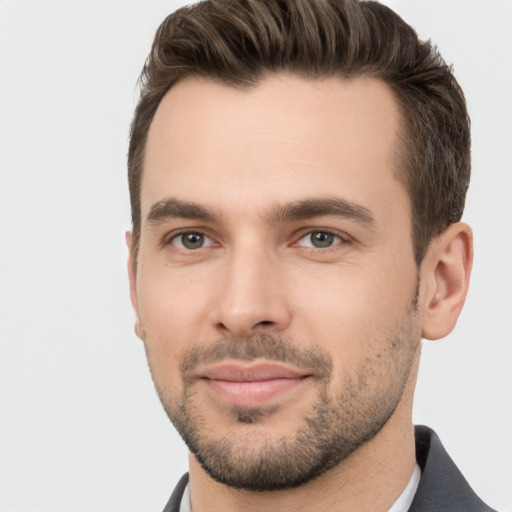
(448, 269)
(132, 276)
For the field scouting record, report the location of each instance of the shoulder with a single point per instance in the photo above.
(442, 487)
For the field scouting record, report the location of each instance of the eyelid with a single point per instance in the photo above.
(344, 237)
(172, 235)
(168, 238)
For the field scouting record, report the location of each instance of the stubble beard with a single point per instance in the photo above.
(337, 425)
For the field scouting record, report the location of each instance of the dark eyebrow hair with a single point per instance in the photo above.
(171, 208)
(310, 208)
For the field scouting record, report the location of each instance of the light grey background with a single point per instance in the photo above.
(81, 428)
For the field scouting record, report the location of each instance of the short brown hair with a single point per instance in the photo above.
(238, 42)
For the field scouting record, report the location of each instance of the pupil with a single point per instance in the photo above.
(192, 240)
(320, 239)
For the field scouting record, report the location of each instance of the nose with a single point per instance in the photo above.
(251, 297)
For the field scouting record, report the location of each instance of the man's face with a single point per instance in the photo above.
(276, 285)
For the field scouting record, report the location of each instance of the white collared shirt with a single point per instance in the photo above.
(404, 501)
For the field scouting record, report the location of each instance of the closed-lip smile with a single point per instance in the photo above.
(251, 384)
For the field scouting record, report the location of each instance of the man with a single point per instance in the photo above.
(297, 173)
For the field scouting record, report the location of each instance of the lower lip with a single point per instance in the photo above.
(254, 393)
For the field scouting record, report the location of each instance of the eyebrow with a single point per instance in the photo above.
(172, 208)
(324, 207)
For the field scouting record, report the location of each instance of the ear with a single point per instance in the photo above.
(132, 276)
(446, 272)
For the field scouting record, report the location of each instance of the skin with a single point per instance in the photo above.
(242, 155)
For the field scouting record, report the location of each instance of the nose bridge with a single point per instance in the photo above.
(250, 296)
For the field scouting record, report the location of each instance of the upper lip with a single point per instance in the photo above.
(252, 372)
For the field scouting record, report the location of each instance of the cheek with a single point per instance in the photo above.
(168, 312)
(352, 311)
(169, 298)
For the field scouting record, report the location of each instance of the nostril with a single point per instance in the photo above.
(265, 322)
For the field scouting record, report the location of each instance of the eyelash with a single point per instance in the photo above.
(345, 239)
(168, 239)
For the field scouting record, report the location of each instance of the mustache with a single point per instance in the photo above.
(264, 346)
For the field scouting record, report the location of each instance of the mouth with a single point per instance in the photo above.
(252, 384)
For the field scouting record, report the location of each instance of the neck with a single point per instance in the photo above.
(370, 479)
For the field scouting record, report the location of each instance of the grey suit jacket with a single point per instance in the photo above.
(442, 487)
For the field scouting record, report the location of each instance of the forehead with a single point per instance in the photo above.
(281, 139)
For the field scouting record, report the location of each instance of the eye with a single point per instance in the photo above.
(319, 240)
(191, 241)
